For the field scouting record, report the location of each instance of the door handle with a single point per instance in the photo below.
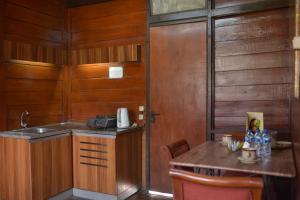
(153, 116)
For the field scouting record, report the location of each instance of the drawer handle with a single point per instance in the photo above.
(91, 150)
(91, 157)
(92, 143)
(103, 166)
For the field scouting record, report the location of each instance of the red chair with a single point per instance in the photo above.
(191, 186)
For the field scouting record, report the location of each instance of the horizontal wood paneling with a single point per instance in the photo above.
(52, 8)
(251, 46)
(14, 70)
(101, 70)
(252, 93)
(116, 7)
(96, 84)
(26, 15)
(226, 3)
(252, 69)
(118, 20)
(34, 32)
(239, 108)
(253, 77)
(120, 23)
(28, 52)
(38, 89)
(113, 54)
(253, 61)
(135, 18)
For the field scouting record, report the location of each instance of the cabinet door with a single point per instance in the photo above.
(94, 164)
(51, 167)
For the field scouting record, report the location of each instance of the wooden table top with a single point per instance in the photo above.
(213, 155)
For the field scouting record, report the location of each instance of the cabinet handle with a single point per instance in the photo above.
(95, 165)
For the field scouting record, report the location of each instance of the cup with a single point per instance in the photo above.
(226, 139)
(249, 154)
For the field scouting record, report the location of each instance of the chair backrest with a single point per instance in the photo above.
(191, 186)
(176, 149)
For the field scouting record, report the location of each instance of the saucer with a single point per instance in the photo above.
(242, 160)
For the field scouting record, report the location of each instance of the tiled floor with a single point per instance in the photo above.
(138, 196)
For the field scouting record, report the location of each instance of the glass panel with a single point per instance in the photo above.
(169, 6)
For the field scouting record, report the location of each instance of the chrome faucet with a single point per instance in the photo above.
(23, 119)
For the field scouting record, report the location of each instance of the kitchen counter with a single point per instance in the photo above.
(76, 128)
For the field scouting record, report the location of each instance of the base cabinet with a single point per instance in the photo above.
(35, 171)
(108, 165)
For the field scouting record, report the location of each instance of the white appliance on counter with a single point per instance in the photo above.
(122, 118)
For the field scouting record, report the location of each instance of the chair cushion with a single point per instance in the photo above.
(200, 192)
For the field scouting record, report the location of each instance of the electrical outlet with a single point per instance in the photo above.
(141, 108)
(141, 117)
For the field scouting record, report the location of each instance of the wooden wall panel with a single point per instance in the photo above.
(2, 77)
(120, 23)
(252, 70)
(33, 31)
(296, 137)
(295, 111)
(108, 24)
(226, 3)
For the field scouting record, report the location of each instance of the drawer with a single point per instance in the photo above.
(94, 164)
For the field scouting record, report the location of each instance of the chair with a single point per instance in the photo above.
(176, 149)
(191, 186)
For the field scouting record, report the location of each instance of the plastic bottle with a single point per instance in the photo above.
(250, 138)
(258, 143)
(266, 143)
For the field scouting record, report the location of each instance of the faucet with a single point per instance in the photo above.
(23, 119)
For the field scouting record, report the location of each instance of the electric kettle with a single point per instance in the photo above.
(122, 118)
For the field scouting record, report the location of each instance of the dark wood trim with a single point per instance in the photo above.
(77, 3)
(218, 12)
(247, 8)
(148, 106)
(179, 16)
(210, 72)
(184, 21)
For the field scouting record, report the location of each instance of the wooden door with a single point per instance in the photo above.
(178, 90)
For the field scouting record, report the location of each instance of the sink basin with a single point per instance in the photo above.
(35, 130)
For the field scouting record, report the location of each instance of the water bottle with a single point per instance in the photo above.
(258, 143)
(250, 138)
(266, 143)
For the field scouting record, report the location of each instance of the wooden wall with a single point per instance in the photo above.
(227, 3)
(36, 28)
(119, 23)
(2, 79)
(91, 92)
(295, 118)
(252, 70)
(296, 138)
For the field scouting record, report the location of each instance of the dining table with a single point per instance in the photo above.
(214, 155)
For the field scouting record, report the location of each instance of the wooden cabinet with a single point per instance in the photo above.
(107, 165)
(35, 171)
(94, 164)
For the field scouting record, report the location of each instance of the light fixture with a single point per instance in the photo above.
(115, 72)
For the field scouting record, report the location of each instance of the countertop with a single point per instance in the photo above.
(76, 128)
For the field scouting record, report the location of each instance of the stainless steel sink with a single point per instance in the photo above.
(35, 130)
